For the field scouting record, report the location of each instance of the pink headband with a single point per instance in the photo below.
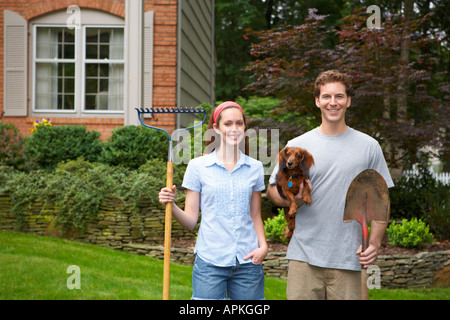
(224, 105)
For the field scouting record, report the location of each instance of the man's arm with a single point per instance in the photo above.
(274, 196)
(369, 256)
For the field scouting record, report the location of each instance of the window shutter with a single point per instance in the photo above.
(15, 64)
(148, 60)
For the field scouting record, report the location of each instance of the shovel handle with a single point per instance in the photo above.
(364, 246)
(167, 235)
(364, 276)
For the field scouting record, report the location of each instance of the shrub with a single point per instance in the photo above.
(421, 196)
(158, 168)
(276, 227)
(51, 145)
(24, 189)
(131, 146)
(12, 147)
(76, 188)
(409, 234)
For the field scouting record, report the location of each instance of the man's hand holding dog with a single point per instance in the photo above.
(275, 197)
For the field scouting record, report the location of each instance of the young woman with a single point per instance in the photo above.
(225, 185)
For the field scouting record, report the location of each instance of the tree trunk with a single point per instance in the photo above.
(402, 90)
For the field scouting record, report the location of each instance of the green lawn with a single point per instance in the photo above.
(35, 267)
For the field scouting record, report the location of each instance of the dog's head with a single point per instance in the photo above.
(291, 158)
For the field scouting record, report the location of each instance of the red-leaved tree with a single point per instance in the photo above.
(402, 103)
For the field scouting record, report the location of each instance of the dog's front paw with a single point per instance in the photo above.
(307, 200)
(292, 212)
(288, 234)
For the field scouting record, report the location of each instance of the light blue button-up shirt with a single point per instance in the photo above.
(226, 231)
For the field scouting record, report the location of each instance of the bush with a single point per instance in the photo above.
(276, 227)
(409, 234)
(131, 146)
(52, 145)
(77, 188)
(158, 168)
(423, 197)
(12, 147)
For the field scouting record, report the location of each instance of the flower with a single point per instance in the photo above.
(37, 124)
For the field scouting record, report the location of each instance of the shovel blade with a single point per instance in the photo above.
(370, 190)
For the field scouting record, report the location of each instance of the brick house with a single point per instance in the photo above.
(93, 62)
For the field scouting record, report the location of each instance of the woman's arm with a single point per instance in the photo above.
(187, 217)
(259, 254)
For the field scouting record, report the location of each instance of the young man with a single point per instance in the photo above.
(324, 252)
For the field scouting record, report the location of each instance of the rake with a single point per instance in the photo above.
(169, 181)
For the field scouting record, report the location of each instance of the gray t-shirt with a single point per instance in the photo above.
(321, 238)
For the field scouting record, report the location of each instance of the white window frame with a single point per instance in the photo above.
(35, 61)
(85, 61)
(80, 67)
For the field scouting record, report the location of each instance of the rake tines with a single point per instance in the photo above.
(170, 110)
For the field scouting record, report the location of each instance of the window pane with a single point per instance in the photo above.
(91, 51)
(55, 86)
(69, 85)
(91, 70)
(69, 51)
(55, 43)
(104, 51)
(69, 102)
(105, 43)
(103, 70)
(91, 86)
(104, 81)
(104, 86)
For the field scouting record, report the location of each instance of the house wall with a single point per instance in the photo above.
(196, 54)
(164, 59)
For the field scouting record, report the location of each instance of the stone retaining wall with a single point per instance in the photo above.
(113, 227)
(398, 271)
(404, 271)
(143, 234)
(275, 264)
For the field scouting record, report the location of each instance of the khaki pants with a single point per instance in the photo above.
(306, 282)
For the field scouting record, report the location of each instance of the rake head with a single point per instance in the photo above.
(170, 110)
(142, 111)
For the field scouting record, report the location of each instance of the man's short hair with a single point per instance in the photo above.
(331, 76)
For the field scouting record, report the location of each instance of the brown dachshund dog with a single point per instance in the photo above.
(294, 164)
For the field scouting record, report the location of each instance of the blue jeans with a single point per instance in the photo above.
(241, 282)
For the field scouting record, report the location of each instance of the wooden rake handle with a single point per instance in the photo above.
(167, 234)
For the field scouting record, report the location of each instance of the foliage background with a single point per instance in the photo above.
(276, 48)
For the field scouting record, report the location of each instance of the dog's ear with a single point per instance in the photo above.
(282, 159)
(308, 159)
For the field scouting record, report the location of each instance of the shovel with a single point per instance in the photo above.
(367, 200)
